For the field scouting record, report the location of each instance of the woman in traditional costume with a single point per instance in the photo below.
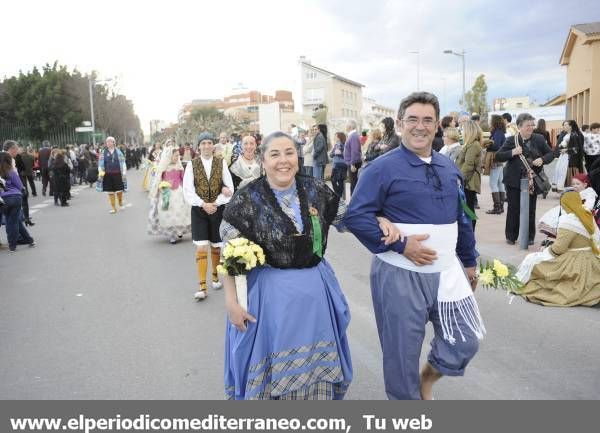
(112, 171)
(580, 183)
(151, 163)
(247, 167)
(568, 272)
(291, 344)
(169, 212)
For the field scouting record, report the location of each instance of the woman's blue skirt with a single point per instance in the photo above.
(298, 342)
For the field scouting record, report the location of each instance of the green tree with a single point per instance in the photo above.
(476, 98)
(204, 119)
(58, 100)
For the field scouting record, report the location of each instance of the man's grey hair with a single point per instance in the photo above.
(524, 117)
(419, 98)
(110, 139)
(352, 123)
(266, 142)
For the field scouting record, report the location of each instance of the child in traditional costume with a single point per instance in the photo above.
(169, 212)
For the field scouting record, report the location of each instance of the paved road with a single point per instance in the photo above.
(100, 310)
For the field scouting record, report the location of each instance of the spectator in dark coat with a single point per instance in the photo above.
(61, 174)
(388, 141)
(574, 149)
(438, 140)
(537, 153)
(44, 157)
(25, 161)
(320, 152)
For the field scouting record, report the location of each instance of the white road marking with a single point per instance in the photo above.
(40, 206)
(32, 211)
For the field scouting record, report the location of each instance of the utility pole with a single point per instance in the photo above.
(91, 83)
(462, 55)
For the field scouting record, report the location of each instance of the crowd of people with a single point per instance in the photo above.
(58, 169)
(414, 183)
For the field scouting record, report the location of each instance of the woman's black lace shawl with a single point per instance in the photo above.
(255, 212)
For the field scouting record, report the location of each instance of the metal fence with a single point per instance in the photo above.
(60, 136)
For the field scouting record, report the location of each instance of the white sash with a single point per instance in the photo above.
(454, 291)
(442, 239)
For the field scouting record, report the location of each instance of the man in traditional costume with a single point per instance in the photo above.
(429, 275)
(112, 170)
(203, 183)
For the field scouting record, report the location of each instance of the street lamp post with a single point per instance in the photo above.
(93, 82)
(418, 68)
(461, 55)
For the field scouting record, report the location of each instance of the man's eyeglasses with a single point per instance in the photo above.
(427, 122)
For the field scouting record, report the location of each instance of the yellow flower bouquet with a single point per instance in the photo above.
(241, 256)
(498, 275)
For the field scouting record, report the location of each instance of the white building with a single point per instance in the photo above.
(513, 103)
(342, 96)
(372, 113)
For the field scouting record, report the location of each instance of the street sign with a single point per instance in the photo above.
(84, 129)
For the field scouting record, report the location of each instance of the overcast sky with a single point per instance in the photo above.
(166, 53)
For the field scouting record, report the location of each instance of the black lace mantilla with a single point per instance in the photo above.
(255, 212)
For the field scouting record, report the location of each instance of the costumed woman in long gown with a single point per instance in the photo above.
(247, 167)
(291, 343)
(568, 272)
(548, 223)
(169, 212)
(150, 166)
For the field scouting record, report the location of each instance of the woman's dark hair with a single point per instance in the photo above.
(447, 121)
(323, 130)
(341, 136)
(497, 123)
(574, 127)
(6, 164)
(388, 124)
(264, 145)
(541, 126)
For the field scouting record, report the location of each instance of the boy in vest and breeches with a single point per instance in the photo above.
(207, 187)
